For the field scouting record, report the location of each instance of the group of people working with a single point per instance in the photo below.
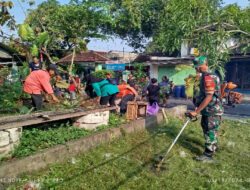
(207, 102)
(102, 90)
(106, 92)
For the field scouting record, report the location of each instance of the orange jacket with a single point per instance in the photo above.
(37, 82)
(125, 90)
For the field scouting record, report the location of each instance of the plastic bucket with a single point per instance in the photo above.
(183, 94)
(177, 91)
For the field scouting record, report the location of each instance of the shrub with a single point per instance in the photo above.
(102, 73)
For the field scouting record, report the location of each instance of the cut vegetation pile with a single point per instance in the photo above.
(125, 163)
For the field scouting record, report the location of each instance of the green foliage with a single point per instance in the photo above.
(24, 110)
(4, 72)
(55, 59)
(43, 38)
(32, 3)
(5, 16)
(164, 90)
(24, 70)
(71, 24)
(36, 139)
(115, 120)
(204, 24)
(192, 83)
(10, 92)
(102, 73)
(189, 91)
(34, 50)
(26, 32)
(140, 73)
(77, 68)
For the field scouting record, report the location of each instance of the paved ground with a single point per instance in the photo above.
(240, 111)
(180, 101)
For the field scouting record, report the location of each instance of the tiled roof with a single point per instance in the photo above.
(90, 56)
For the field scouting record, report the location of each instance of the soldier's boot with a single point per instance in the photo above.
(217, 149)
(207, 156)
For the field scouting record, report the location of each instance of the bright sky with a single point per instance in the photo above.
(99, 45)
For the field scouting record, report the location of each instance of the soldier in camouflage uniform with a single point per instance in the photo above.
(208, 103)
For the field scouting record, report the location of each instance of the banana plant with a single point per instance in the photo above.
(36, 42)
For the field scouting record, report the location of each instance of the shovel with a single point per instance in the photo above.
(190, 118)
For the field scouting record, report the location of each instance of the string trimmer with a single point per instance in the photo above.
(190, 118)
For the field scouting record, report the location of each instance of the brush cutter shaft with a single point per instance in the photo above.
(182, 129)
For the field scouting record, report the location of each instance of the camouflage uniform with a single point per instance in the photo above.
(211, 115)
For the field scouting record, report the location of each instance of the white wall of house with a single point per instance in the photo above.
(184, 49)
(154, 71)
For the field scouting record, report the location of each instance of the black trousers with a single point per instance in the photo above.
(90, 92)
(124, 102)
(110, 99)
(37, 101)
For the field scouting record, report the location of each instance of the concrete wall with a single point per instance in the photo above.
(8, 139)
(176, 77)
(92, 121)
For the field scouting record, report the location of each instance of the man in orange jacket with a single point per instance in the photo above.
(127, 93)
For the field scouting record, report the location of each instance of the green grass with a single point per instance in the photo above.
(125, 163)
(35, 139)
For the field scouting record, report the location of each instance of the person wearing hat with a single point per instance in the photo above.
(209, 105)
(39, 81)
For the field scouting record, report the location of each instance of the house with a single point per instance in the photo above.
(97, 60)
(176, 68)
(238, 71)
(89, 60)
(9, 56)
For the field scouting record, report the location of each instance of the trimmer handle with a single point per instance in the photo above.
(192, 118)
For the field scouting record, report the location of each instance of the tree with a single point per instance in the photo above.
(202, 23)
(68, 26)
(5, 16)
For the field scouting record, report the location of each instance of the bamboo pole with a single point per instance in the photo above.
(164, 115)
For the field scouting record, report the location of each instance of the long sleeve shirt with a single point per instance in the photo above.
(104, 88)
(37, 82)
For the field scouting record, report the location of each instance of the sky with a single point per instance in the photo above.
(114, 44)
